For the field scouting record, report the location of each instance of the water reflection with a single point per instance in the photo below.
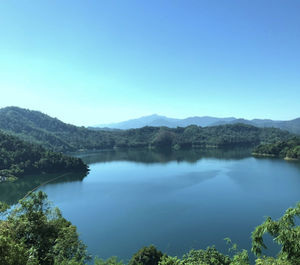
(247, 174)
(11, 192)
(177, 200)
(148, 156)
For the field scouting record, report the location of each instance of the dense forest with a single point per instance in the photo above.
(289, 149)
(53, 134)
(18, 158)
(47, 136)
(231, 135)
(34, 233)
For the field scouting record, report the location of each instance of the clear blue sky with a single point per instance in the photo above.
(89, 62)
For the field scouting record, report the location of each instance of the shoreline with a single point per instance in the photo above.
(274, 156)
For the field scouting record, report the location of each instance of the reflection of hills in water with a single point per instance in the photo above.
(11, 192)
(147, 156)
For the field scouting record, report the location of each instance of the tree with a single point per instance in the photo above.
(210, 256)
(163, 139)
(109, 261)
(168, 260)
(146, 256)
(35, 233)
(285, 233)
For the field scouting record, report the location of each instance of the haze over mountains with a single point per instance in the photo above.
(53, 134)
(157, 121)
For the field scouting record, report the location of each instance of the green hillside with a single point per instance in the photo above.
(54, 134)
(289, 149)
(19, 158)
(51, 133)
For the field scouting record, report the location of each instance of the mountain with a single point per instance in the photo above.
(158, 121)
(18, 158)
(152, 120)
(203, 121)
(51, 133)
(292, 126)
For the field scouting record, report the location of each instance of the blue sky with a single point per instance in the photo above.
(90, 62)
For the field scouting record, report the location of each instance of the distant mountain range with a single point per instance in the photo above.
(158, 121)
(51, 133)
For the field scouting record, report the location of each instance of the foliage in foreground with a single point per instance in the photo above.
(284, 231)
(34, 233)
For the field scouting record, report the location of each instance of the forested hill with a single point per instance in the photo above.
(18, 158)
(53, 134)
(289, 149)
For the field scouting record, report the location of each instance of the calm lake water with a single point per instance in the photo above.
(174, 200)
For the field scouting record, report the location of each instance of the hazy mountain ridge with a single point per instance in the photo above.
(51, 133)
(151, 120)
(158, 121)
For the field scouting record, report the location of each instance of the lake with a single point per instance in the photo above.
(175, 200)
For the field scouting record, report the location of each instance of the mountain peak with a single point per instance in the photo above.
(156, 120)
